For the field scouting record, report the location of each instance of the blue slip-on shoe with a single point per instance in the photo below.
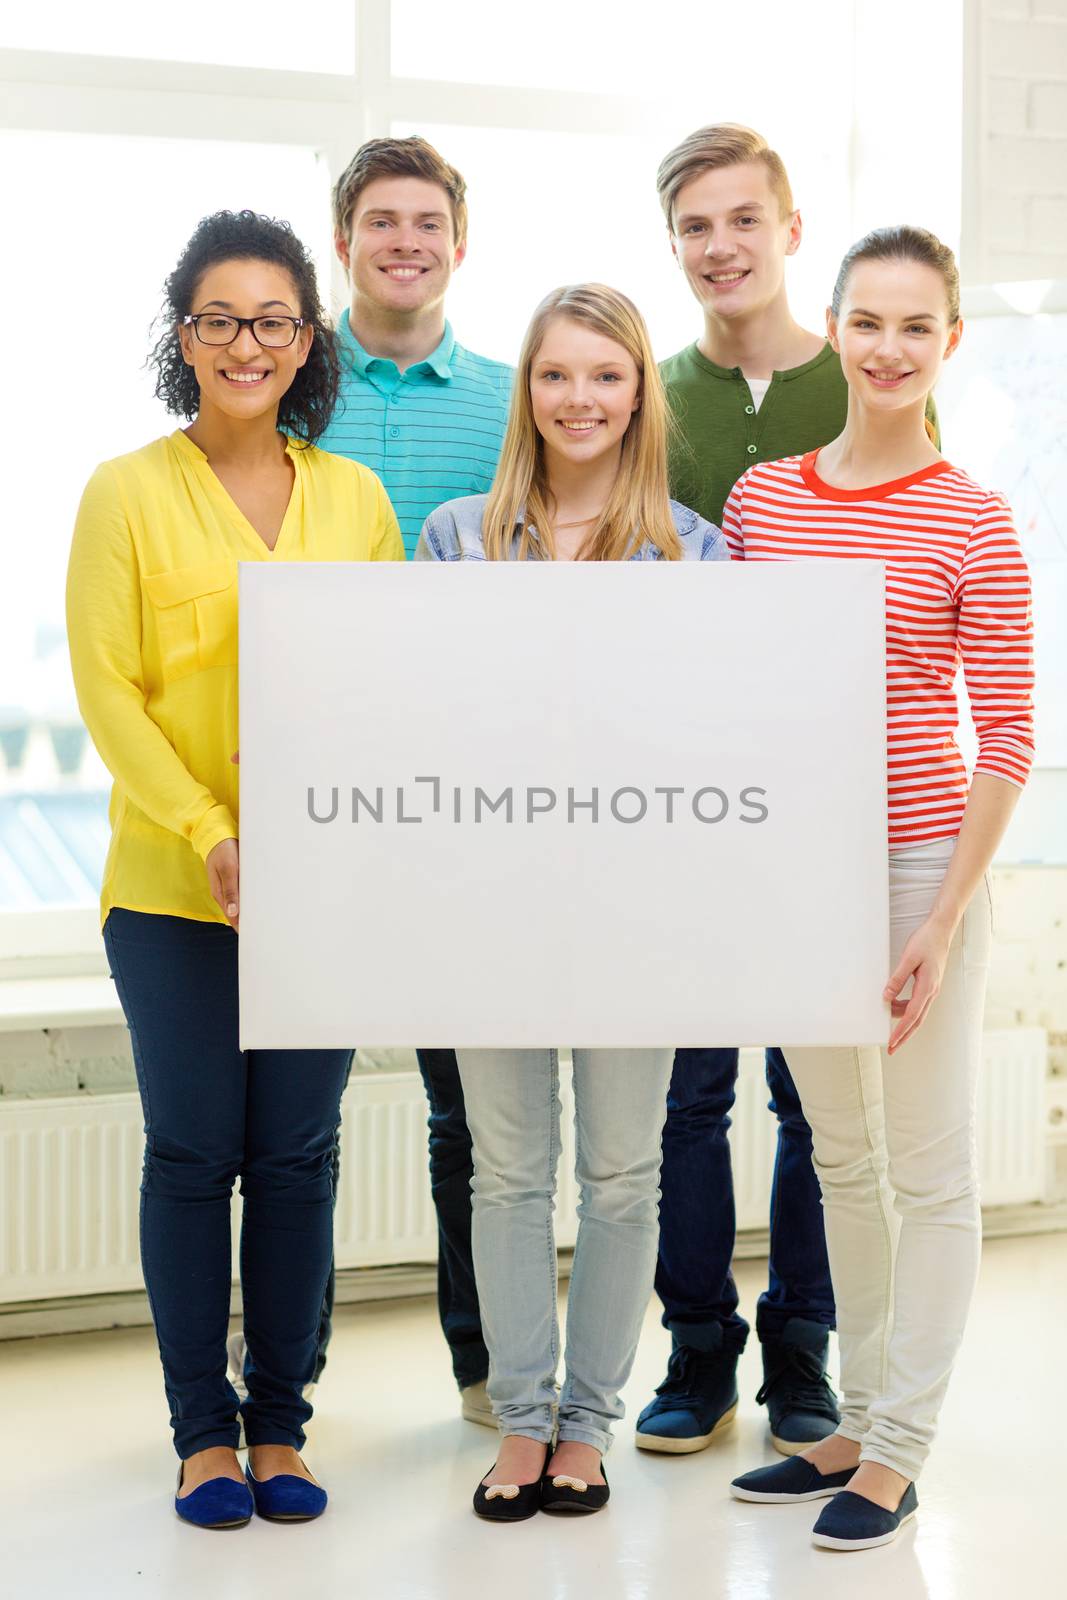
(696, 1400)
(801, 1406)
(789, 1481)
(287, 1497)
(850, 1522)
(218, 1503)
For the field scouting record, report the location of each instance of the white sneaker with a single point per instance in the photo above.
(474, 1405)
(235, 1371)
(236, 1350)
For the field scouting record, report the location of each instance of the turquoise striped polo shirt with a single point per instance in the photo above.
(431, 433)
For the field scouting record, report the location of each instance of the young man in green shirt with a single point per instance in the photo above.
(755, 386)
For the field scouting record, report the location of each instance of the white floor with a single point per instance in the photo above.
(87, 1478)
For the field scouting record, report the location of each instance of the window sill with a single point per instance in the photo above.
(70, 1002)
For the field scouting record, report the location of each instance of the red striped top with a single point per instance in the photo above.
(957, 589)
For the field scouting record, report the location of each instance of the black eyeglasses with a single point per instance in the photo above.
(215, 327)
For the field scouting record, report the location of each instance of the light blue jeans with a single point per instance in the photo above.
(513, 1112)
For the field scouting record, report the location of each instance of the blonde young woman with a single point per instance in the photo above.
(582, 477)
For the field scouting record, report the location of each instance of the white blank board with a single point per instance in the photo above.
(555, 928)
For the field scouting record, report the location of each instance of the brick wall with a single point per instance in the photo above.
(64, 1061)
(1015, 140)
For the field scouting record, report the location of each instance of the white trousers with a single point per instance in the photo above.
(894, 1150)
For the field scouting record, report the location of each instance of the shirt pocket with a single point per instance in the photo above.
(195, 610)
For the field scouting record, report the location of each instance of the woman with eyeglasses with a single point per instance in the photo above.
(152, 616)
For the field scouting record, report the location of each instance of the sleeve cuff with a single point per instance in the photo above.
(216, 825)
(1016, 774)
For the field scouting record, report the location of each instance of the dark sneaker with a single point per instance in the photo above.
(851, 1522)
(801, 1406)
(789, 1481)
(696, 1400)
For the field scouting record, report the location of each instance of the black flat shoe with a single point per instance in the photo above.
(509, 1502)
(561, 1492)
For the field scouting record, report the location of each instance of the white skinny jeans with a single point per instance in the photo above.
(894, 1150)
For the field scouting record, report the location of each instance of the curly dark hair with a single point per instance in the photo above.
(245, 236)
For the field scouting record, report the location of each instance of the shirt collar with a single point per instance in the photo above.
(438, 361)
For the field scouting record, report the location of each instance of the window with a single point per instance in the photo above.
(699, 56)
(321, 37)
(128, 123)
(101, 222)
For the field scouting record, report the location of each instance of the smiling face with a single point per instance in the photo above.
(584, 389)
(401, 250)
(731, 241)
(244, 379)
(892, 332)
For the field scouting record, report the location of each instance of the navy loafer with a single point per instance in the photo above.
(287, 1497)
(787, 1481)
(218, 1503)
(850, 1522)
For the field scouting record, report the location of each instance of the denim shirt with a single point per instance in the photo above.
(454, 533)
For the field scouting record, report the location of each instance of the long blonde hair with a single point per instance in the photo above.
(638, 507)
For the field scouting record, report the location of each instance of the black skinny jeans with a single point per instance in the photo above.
(214, 1113)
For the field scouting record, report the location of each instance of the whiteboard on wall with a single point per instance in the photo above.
(681, 831)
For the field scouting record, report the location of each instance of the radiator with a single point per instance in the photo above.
(70, 1169)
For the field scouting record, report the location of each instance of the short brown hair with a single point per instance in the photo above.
(723, 144)
(398, 158)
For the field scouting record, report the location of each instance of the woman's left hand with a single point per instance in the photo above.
(923, 959)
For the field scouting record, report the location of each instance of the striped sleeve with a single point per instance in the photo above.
(733, 520)
(996, 640)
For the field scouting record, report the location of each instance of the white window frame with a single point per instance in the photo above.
(331, 114)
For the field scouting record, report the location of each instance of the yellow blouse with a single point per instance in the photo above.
(152, 621)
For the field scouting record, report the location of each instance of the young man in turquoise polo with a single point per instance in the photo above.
(423, 412)
(428, 416)
(755, 386)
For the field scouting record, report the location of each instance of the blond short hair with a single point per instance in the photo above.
(723, 144)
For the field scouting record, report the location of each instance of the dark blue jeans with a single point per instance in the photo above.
(451, 1170)
(697, 1218)
(213, 1113)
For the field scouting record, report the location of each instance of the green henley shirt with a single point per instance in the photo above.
(721, 434)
